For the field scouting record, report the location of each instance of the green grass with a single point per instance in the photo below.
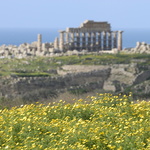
(35, 74)
(42, 65)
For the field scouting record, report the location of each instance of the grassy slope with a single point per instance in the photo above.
(41, 66)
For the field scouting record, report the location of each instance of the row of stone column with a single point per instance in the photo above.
(91, 41)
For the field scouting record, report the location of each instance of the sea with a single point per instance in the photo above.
(17, 36)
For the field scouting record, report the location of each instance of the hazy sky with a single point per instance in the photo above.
(71, 13)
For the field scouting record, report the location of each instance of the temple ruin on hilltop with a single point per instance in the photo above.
(91, 36)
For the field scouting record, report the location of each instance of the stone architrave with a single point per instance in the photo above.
(120, 40)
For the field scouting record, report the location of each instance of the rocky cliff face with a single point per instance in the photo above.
(75, 78)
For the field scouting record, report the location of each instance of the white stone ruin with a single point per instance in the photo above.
(91, 36)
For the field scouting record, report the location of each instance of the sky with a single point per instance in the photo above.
(121, 14)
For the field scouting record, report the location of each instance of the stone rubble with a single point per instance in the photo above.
(25, 50)
(46, 50)
(141, 48)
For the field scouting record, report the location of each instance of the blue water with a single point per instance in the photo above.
(19, 36)
(131, 36)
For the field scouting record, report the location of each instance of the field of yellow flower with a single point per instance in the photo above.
(106, 123)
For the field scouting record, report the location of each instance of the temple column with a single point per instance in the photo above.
(89, 41)
(67, 41)
(78, 40)
(104, 40)
(72, 40)
(109, 41)
(75, 40)
(39, 42)
(83, 40)
(56, 43)
(120, 40)
(61, 41)
(114, 39)
(67, 37)
(99, 40)
(94, 41)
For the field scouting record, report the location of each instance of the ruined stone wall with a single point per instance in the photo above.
(113, 78)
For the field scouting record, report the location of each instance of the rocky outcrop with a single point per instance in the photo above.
(120, 78)
(141, 48)
(24, 50)
(142, 90)
(141, 77)
(111, 78)
(30, 50)
(22, 86)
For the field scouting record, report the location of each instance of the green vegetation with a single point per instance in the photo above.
(32, 74)
(108, 122)
(78, 91)
(43, 66)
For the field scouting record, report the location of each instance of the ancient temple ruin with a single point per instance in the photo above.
(91, 36)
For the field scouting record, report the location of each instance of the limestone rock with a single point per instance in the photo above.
(142, 89)
(142, 77)
(115, 78)
(141, 48)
